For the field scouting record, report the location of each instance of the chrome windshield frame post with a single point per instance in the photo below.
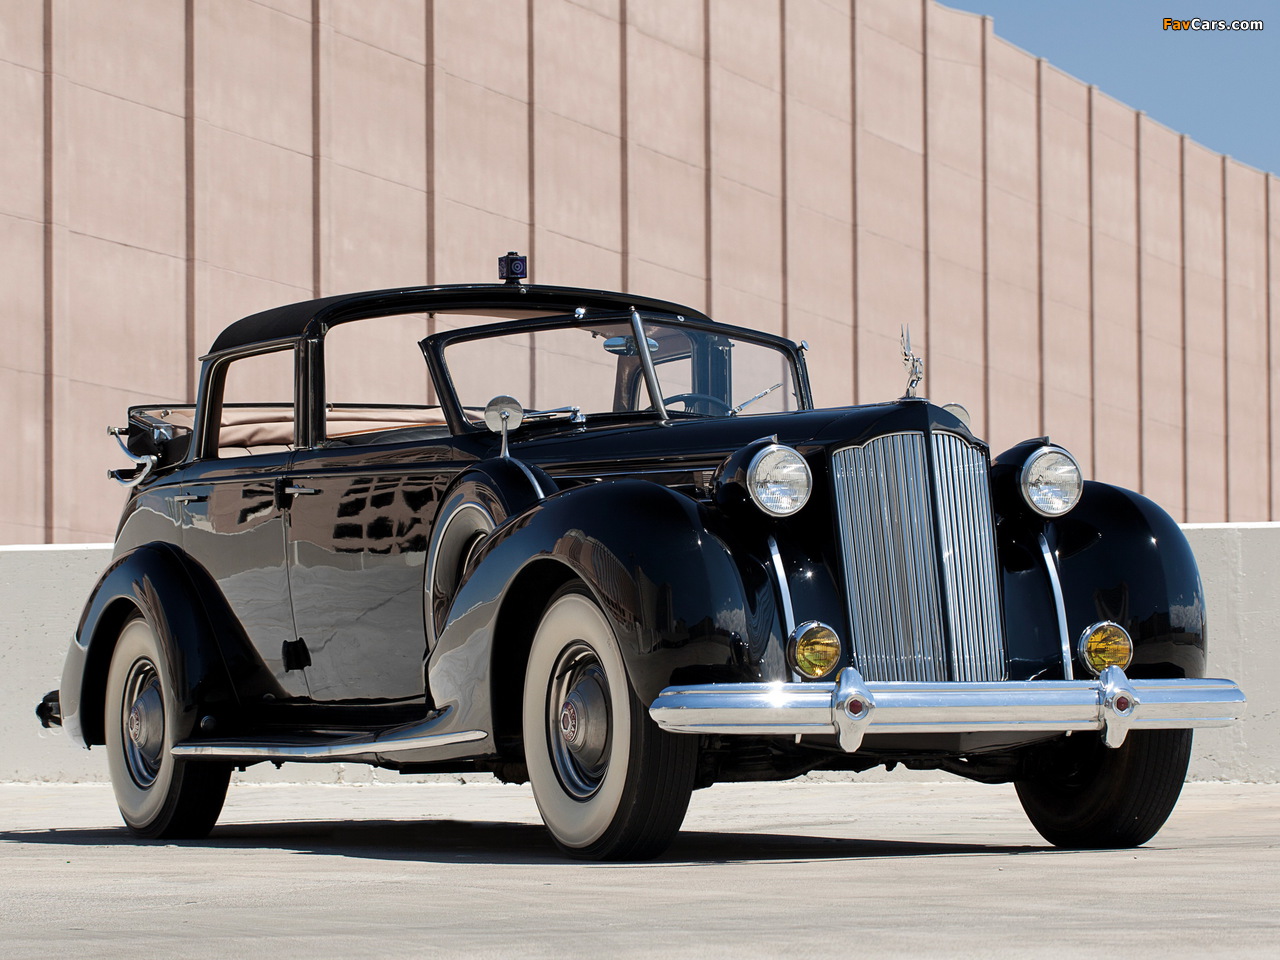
(646, 364)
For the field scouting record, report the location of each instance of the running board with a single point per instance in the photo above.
(402, 739)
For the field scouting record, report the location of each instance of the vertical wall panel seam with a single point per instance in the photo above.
(530, 78)
(1138, 300)
(1040, 241)
(1093, 360)
(927, 351)
(1182, 256)
(429, 146)
(986, 233)
(429, 69)
(316, 252)
(706, 153)
(47, 53)
(624, 159)
(189, 173)
(1226, 356)
(784, 253)
(853, 187)
(1266, 239)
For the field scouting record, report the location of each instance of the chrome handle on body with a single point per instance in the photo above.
(296, 491)
(145, 463)
(189, 498)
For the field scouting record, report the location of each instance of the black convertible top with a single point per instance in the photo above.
(314, 317)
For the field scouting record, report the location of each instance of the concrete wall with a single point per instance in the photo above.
(827, 169)
(42, 589)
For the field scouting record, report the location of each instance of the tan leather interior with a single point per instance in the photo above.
(261, 430)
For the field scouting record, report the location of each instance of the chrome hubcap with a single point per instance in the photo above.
(579, 720)
(143, 723)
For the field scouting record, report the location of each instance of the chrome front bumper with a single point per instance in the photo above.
(851, 708)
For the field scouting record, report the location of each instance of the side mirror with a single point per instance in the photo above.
(501, 415)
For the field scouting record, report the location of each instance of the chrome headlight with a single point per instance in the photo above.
(1051, 482)
(778, 480)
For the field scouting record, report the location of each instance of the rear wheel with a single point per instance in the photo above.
(158, 796)
(1083, 795)
(610, 785)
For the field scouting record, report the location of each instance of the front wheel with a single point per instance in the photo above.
(159, 797)
(610, 785)
(1082, 795)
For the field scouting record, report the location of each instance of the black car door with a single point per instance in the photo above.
(359, 521)
(231, 509)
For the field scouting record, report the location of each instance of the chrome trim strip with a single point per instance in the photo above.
(533, 481)
(347, 748)
(648, 471)
(646, 364)
(784, 590)
(1059, 605)
(1025, 706)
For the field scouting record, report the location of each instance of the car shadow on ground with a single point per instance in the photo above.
(505, 843)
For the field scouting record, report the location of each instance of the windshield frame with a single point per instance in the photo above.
(434, 346)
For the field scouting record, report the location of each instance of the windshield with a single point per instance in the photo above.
(596, 370)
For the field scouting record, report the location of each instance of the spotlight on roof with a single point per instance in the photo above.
(513, 268)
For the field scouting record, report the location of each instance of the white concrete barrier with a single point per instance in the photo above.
(42, 590)
(1239, 565)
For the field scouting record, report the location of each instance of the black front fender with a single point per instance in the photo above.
(669, 586)
(1120, 557)
(1123, 558)
(157, 581)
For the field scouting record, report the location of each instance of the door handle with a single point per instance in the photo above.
(295, 491)
(189, 498)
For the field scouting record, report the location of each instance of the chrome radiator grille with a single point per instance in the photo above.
(919, 559)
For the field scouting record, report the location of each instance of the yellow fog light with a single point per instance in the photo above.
(814, 649)
(1103, 645)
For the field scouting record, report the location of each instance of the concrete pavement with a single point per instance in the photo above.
(761, 870)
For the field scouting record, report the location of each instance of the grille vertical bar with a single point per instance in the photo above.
(971, 580)
(882, 497)
(898, 596)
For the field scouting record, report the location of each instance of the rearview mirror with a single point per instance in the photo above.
(503, 414)
(626, 346)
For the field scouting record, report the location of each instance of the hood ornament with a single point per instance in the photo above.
(914, 364)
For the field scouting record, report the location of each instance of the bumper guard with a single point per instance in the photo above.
(851, 708)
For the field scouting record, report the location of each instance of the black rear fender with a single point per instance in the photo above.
(154, 580)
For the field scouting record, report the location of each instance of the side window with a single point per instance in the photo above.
(376, 382)
(257, 406)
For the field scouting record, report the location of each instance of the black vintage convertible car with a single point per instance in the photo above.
(607, 545)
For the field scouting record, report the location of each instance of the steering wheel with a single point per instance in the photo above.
(689, 399)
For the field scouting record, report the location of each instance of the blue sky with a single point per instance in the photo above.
(1220, 88)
